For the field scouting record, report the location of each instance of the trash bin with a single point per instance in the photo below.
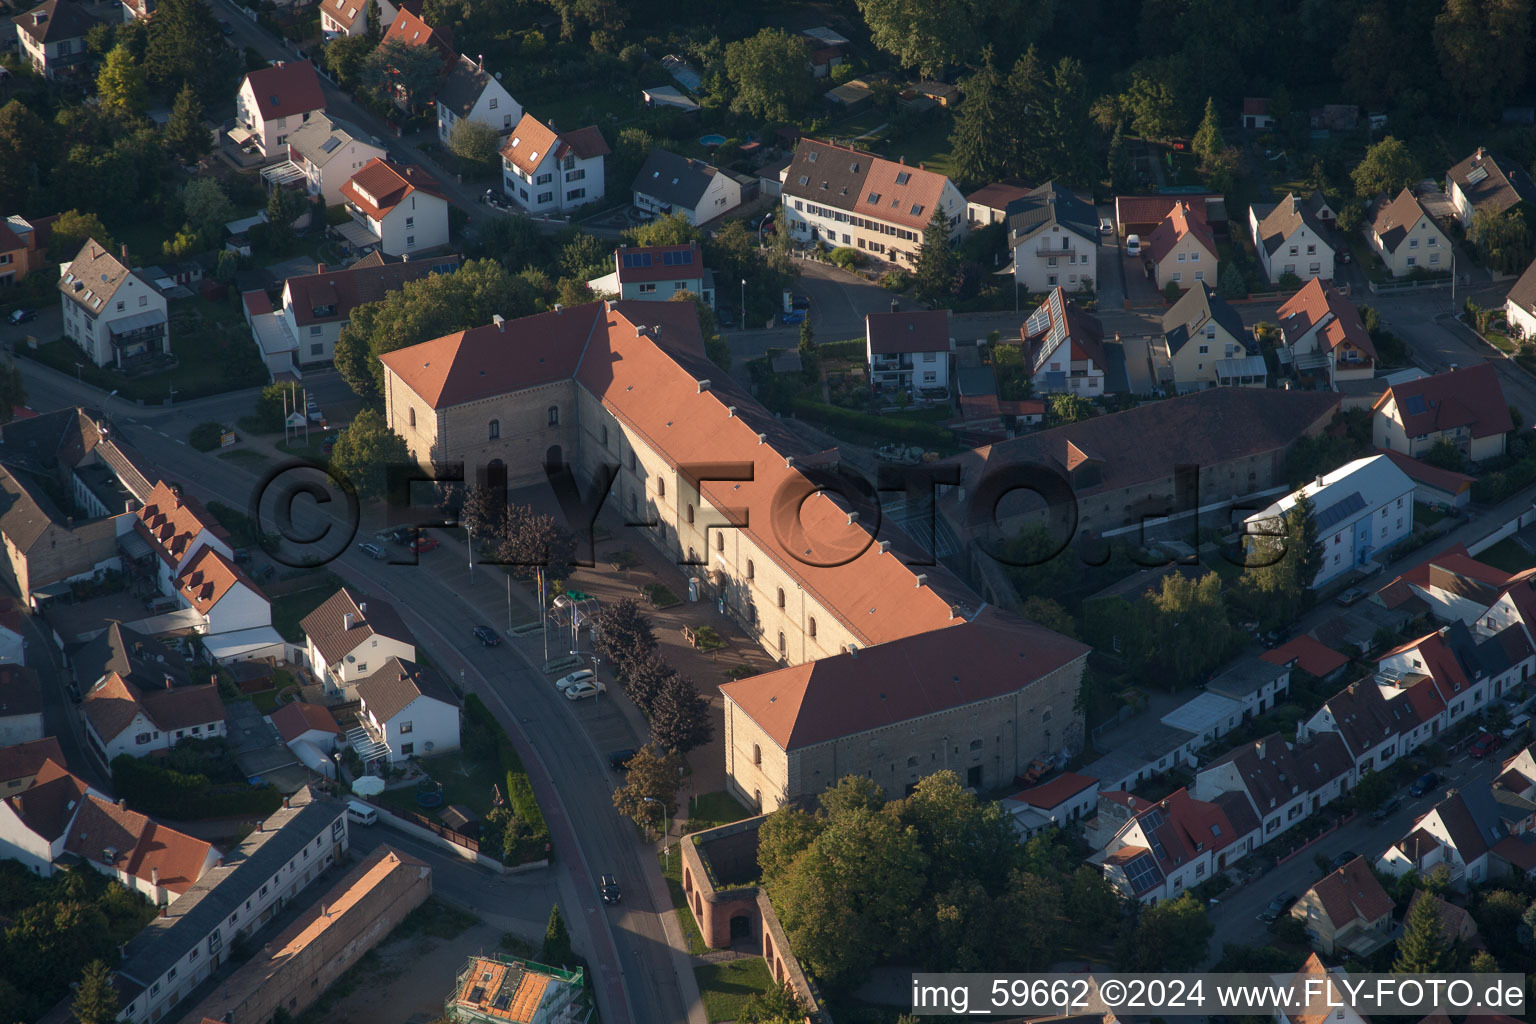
(693, 588)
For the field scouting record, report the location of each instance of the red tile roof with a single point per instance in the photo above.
(23, 760)
(171, 522)
(1138, 210)
(326, 626)
(344, 289)
(1312, 656)
(256, 301)
(47, 807)
(381, 186)
(917, 331)
(999, 194)
(208, 576)
(1447, 480)
(1054, 793)
(659, 269)
(586, 143)
(112, 706)
(1181, 221)
(294, 720)
(1319, 303)
(906, 195)
(1392, 222)
(283, 90)
(109, 833)
(1352, 893)
(1470, 397)
(410, 29)
(532, 141)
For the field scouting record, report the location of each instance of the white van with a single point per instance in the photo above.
(360, 813)
(1133, 245)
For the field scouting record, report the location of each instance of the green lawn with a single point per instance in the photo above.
(726, 987)
(712, 810)
(672, 868)
(464, 782)
(245, 457)
(572, 111)
(1427, 515)
(1507, 555)
(1500, 341)
(927, 145)
(265, 700)
(313, 451)
(289, 609)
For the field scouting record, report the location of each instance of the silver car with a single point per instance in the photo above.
(575, 678)
(585, 688)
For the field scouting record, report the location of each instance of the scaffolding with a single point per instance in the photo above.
(493, 988)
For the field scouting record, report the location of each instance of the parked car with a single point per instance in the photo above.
(1518, 726)
(1351, 596)
(1133, 245)
(1484, 745)
(618, 760)
(1274, 638)
(421, 545)
(794, 317)
(1386, 810)
(372, 551)
(581, 675)
(1277, 906)
(585, 688)
(487, 636)
(1342, 859)
(226, 27)
(1423, 784)
(22, 316)
(609, 887)
(1344, 256)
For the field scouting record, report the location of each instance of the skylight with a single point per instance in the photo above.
(903, 177)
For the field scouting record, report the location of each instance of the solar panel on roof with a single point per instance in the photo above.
(1415, 405)
(1141, 873)
(637, 259)
(1339, 511)
(1152, 819)
(329, 144)
(677, 259)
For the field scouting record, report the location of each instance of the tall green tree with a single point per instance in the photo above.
(1283, 562)
(1153, 104)
(1387, 168)
(1505, 240)
(13, 390)
(205, 206)
(402, 73)
(1069, 408)
(1474, 36)
(557, 951)
(475, 142)
(346, 57)
(681, 719)
(1027, 92)
(672, 229)
(770, 73)
(1208, 143)
(24, 148)
(933, 272)
(1421, 948)
(186, 137)
(779, 1005)
(96, 999)
(364, 452)
(649, 794)
(184, 39)
(70, 232)
(980, 142)
(121, 86)
(933, 36)
(1072, 145)
(1171, 936)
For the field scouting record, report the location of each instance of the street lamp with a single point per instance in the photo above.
(666, 847)
(470, 533)
(743, 303)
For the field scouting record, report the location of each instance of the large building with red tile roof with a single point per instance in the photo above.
(547, 172)
(846, 197)
(275, 100)
(627, 385)
(315, 307)
(142, 854)
(35, 822)
(399, 209)
(1308, 654)
(1465, 407)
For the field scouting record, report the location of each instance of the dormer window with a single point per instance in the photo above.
(903, 177)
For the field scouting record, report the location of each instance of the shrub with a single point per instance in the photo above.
(853, 348)
(898, 280)
(928, 434)
(206, 436)
(153, 790)
(845, 257)
(519, 789)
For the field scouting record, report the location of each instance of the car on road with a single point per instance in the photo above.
(1351, 596)
(1344, 256)
(609, 887)
(394, 535)
(1386, 810)
(21, 316)
(586, 688)
(1484, 745)
(618, 760)
(372, 551)
(1341, 860)
(226, 27)
(1277, 906)
(1423, 784)
(421, 545)
(487, 636)
(796, 316)
(581, 675)
(329, 444)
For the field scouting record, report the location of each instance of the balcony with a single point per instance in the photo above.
(1047, 248)
(889, 363)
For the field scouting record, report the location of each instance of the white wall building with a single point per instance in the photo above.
(113, 315)
(470, 93)
(351, 636)
(1290, 239)
(547, 172)
(327, 153)
(1054, 238)
(668, 184)
(399, 209)
(275, 100)
(409, 709)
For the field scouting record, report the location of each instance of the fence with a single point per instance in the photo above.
(1509, 529)
(1402, 286)
(431, 831)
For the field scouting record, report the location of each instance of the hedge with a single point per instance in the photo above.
(837, 418)
(853, 348)
(519, 788)
(163, 792)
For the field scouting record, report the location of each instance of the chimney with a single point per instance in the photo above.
(1445, 631)
(154, 877)
(559, 308)
(481, 61)
(346, 621)
(789, 461)
(922, 578)
(704, 386)
(122, 803)
(762, 438)
(730, 412)
(170, 684)
(259, 824)
(285, 803)
(124, 250)
(1481, 152)
(853, 517)
(885, 546)
(895, 306)
(319, 268)
(362, 607)
(902, 160)
(165, 910)
(499, 322)
(1320, 483)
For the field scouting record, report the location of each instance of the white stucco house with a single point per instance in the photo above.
(51, 37)
(274, 101)
(655, 273)
(1520, 304)
(669, 183)
(470, 93)
(350, 636)
(1291, 239)
(908, 351)
(35, 824)
(1054, 238)
(177, 527)
(113, 315)
(408, 709)
(1406, 237)
(350, 17)
(1064, 348)
(549, 172)
(121, 718)
(327, 152)
(398, 208)
(1361, 509)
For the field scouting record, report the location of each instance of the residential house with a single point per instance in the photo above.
(1204, 344)
(668, 184)
(1256, 684)
(34, 823)
(908, 351)
(400, 209)
(409, 29)
(1291, 239)
(345, 642)
(1064, 348)
(470, 93)
(138, 10)
(559, 989)
(315, 307)
(826, 48)
(1182, 249)
(1376, 725)
(1361, 509)
(276, 100)
(52, 37)
(1347, 911)
(269, 869)
(1406, 237)
(989, 204)
(552, 173)
(21, 762)
(669, 97)
(1485, 182)
(1453, 586)
(113, 315)
(152, 859)
(47, 549)
(141, 660)
(846, 197)
(1519, 304)
(1460, 832)
(1452, 674)
(1256, 115)
(21, 251)
(122, 718)
(1141, 750)
(302, 722)
(177, 527)
(21, 705)
(234, 617)
(1064, 800)
(1433, 486)
(1171, 846)
(1322, 331)
(1054, 238)
(408, 710)
(326, 153)
(1456, 924)
(655, 273)
(351, 17)
(1207, 717)
(82, 455)
(1465, 407)
(1140, 215)
(1326, 999)
(1283, 783)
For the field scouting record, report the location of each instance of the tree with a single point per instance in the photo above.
(70, 232)
(644, 678)
(1387, 168)
(852, 793)
(1171, 936)
(528, 538)
(430, 307)
(770, 73)
(1152, 104)
(557, 949)
(934, 271)
(935, 35)
(1050, 614)
(651, 778)
(1122, 169)
(1208, 142)
(205, 206)
(1282, 562)
(96, 999)
(121, 87)
(624, 634)
(364, 451)
(475, 142)
(402, 73)
(673, 229)
(1028, 96)
(184, 38)
(1483, 962)
(347, 56)
(681, 718)
(1171, 292)
(979, 143)
(13, 390)
(23, 149)
(374, 26)
(1444, 454)
(1421, 948)
(778, 1005)
(1505, 240)
(1064, 123)
(1070, 408)
(1233, 286)
(1472, 36)
(284, 206)
(786, 834)
(186, 137)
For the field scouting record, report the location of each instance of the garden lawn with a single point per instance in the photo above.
(289, 609)
(265, 700)
(726, 987)
(1508, 555)
(711, 810)
(464, 782)
(928, 145)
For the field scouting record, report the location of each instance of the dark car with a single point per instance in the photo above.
(1351, 596)
(1342, 859)
(1484, 745)
(1277, 906)
(421, 545)
(487, 636)
(373, 551)
(609, 887)
(22, 316)
(1423, 784)
(618, 760)
(226, 27)
(1274, 638)
(1386, 810)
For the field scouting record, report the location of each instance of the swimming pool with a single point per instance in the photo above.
(711, 140)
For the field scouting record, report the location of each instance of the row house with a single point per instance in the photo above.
(1377, 725)
(1169, 847)
(1283, 783)
(1478, 833)
(1465, 670)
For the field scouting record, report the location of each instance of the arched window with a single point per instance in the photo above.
(661, 487)
(719, 540)
(782, 646)
(690, 513)
(811, 627)
(410, 416)
(757, 754)
(493, 429)
(750, 568)
(781, 598)
(554, 415)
